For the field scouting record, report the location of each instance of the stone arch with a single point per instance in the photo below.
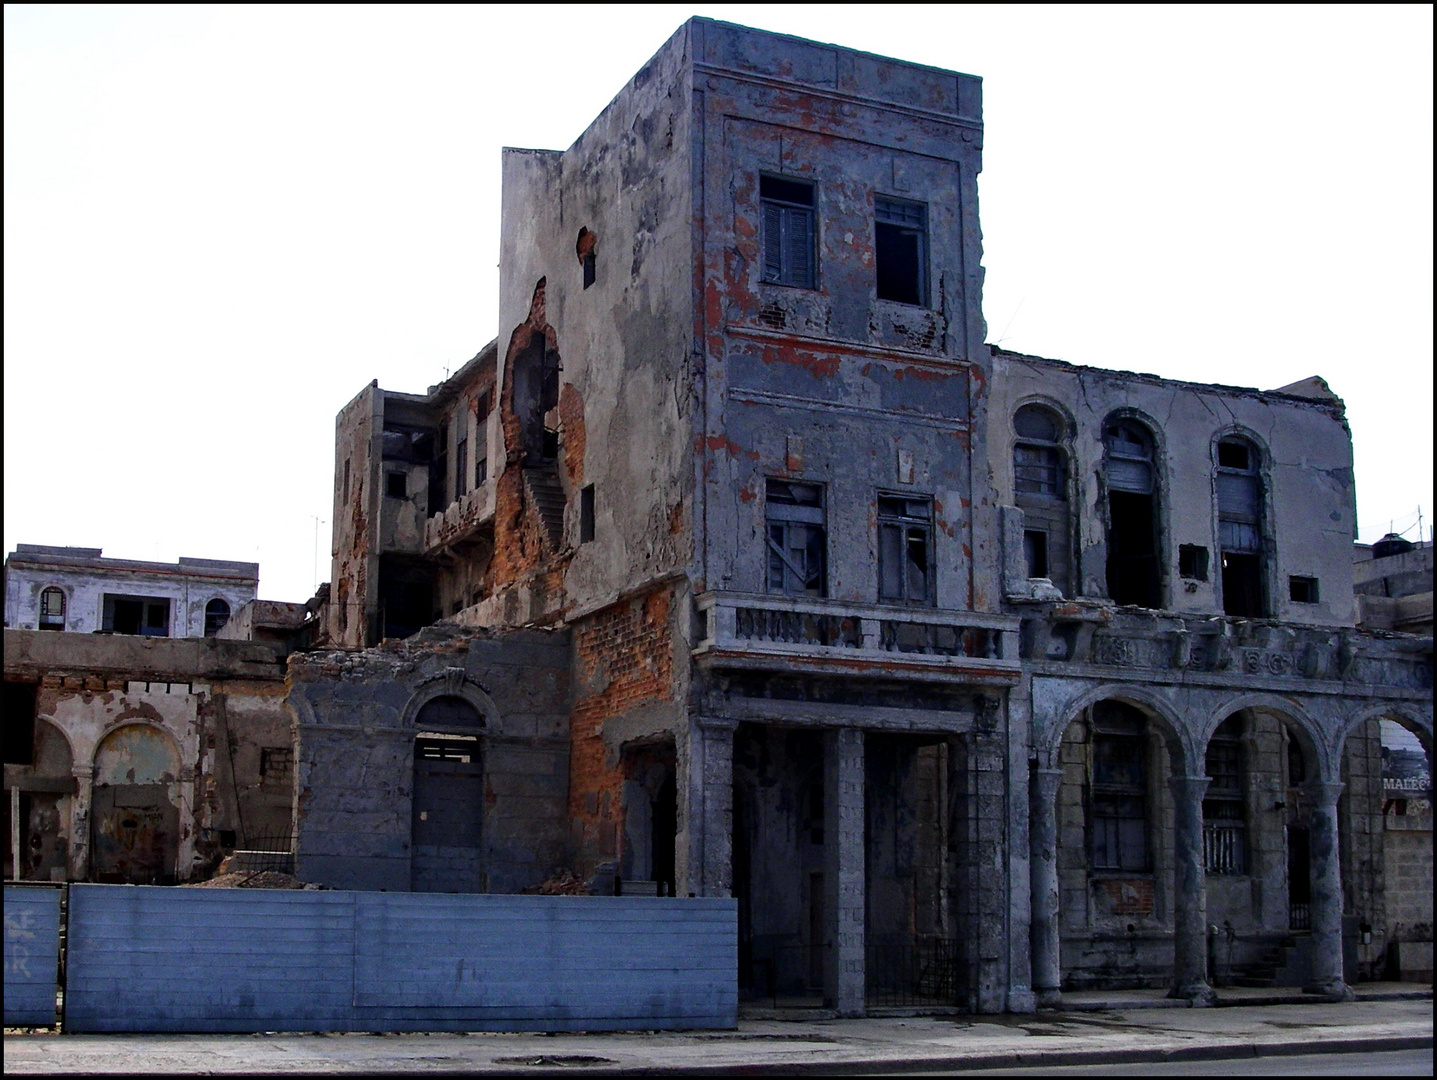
(1315, 743)
(1158, 711)
(135, 805)
(55, 733)
(452, 682)
(1410, 717)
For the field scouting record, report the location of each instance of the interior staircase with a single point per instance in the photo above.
(546, 494)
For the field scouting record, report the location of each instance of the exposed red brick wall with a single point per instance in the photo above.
(624, 657)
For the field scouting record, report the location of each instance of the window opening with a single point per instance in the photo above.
(344, 488)
(1040, 488)
(788, 232)
(794, 517)
(461, 468)
(1224, 821)
(1239, 513)
(396, 485)
(217, 613)
(143, 615)
(481, 471)
(52, 609)
(586, 514)
(19, 702)
(900, 240)
(1192, 562)
(1133, 576)
(584, 249)
(439, 471)
(1296, 762)
(484, 405)
(1035, 552)
(1302, 590)
(905, 550)
(1119, 791)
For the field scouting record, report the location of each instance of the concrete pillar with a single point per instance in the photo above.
(1043, 796)
(1190, 885)
(79, 868)
(843, 869)
(704, 854)
(1326, 905)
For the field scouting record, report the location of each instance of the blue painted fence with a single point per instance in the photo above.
(144, 958)
(32, 954)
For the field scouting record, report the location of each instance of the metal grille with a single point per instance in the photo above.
(918, 971)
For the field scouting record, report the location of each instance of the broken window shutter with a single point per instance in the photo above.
(890, 561)
(1128, 475)
(1237, 496)
(798, 246)
(772, 242)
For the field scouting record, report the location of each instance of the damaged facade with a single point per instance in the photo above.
(973, 676)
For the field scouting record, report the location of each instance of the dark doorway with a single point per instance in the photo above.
(1299, 879)
(406, 596)
(1132, 550)
(665, 809)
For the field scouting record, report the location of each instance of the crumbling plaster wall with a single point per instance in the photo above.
(357, 491)
(1309, 505)
(354, 723)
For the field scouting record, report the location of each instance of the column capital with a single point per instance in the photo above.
(715, 724)
(1323, 792)
(1192, 786)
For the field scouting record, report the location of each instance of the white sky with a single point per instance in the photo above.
(220, 223)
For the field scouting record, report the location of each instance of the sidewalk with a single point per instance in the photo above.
(772, 1046)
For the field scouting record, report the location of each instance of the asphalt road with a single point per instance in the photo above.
(1382, 1063)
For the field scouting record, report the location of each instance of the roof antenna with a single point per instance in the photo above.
(1010, 321)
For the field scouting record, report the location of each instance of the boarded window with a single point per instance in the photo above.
(788, 231)
(794, 517)
(905, 550)
(900, 250)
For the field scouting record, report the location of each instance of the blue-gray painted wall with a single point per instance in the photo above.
(191, 960)
(32, 954)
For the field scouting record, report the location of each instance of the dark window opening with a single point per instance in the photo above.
(19, 704)
(1133, 570)
(1224, 820)
(584, 249)
(229, 839)
(52, 609)
(461, 468)
(586, 514)
(536, 399)
(1192, 562)
(484, 405)
(1296, 762)
(396, 485)
(1239, 511)
(590, 269)
(905, 550)
(794, 517)
(344, 487)
(900, 230)
(406, 595)
(788, 232)
(414, 446)
(1302, 590)
(481, 471)
(1035, 552)
(217, 613)
(1119, 790)
(143, 615)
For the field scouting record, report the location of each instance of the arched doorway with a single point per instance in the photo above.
(134, 810)
(447, 853)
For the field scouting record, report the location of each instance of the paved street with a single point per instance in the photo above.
(916, 1044)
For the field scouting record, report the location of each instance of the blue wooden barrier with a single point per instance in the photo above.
(145, 958)
(32, 954)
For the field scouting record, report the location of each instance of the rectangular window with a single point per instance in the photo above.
(1302, 590)
(590, 269)
(905, 550)
(344, 489)
(1119, 802)
(900, 243)
(788, 232)
(1192, 562)
(484, 405)
(1224, 824)
(1035, 552)
(794, 520)
(481, 471)
(396, 485)
(144, 615)
(461, 467)
(1037, 470)
(586, 514)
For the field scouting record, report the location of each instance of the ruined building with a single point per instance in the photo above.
(741, 564)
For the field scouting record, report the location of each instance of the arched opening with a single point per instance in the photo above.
(1239, 521)
(217, 613)
(447, 813)
(52, 609)
(1040, 489)
(41, 832)
(1130, 472)
(134, 808)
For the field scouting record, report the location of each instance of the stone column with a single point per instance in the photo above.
(843, 869)
(79, 868)
(705, 781)
(1190, 884)
(1043, 808)
(1326, 906)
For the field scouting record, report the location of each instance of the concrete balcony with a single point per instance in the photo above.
(779, 633)
(460, 524)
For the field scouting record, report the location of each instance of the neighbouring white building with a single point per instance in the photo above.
(74, 589)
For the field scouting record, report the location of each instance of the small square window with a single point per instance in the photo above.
(396, 485)
(1192, 562)
(1302, 590)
